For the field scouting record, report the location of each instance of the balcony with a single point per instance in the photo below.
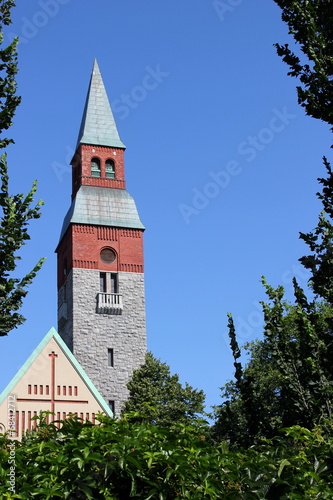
(109, 303)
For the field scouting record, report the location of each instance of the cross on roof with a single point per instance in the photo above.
(53, 400)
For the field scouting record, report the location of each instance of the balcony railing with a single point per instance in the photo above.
(109, 303)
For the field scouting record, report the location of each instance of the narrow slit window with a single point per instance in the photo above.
(102, 281)
(114, 282)
(110, 357)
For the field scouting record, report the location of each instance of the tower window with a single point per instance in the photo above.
(95, 167)
(111, 405)
(110, 357)
(108, 282)
(65, 266)
(109, 169)
(108, 255)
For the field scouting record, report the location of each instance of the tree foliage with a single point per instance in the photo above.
(118, 459)
(289, 377)
(311, 24)
(16, 211)
(160, 397)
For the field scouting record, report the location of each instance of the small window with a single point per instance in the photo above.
(108, 282)
(65, 267)
(109, 169)
(111, 405)
(95, 167)
(108, 255)
(110, 357)
(102, 282)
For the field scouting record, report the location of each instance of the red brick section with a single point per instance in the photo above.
(81, 171)
(82, 244)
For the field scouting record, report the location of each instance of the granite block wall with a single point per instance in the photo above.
(90, 334)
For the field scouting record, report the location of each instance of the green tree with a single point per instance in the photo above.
(159, 396)
(289, 377)
(310, 23)
(119, 459)
(251, 408)
(16, 211)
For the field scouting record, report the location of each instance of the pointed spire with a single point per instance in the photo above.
(98, 126)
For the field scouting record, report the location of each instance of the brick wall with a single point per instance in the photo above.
(82, 167)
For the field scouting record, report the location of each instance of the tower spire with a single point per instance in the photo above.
(98, 126)
(101, 298)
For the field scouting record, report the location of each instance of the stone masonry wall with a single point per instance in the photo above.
(95, 333)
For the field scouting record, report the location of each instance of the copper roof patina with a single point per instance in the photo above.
(98, 126)
(103, 207)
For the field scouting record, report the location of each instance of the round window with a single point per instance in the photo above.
(108, 255)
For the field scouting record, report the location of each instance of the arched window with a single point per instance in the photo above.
(95, 167)
(109, 169)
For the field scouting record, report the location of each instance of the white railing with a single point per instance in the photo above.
(109, 303)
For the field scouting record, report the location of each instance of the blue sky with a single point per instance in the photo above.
(220, 159)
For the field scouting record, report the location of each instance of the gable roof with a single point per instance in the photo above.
(72, 360)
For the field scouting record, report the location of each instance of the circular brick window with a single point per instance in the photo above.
(108, 255)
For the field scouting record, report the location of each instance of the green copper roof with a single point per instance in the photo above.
(72, 360)
(98, 126)
(103, 207)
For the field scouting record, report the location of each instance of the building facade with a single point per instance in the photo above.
(51, 380)
(101, 299)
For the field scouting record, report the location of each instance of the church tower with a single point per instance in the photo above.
(101, 306)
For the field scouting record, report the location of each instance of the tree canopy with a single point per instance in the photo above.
(159, 396)
(289, 377)
(310, 23)
(121, 459)
(15, 210)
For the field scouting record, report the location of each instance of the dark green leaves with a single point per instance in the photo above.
(160, 398)
(311, 25)
(118, 460)
(15, 211)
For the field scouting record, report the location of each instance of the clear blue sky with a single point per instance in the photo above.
(220, 159)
